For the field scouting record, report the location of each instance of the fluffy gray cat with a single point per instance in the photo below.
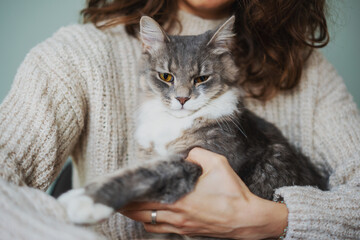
(191, 98)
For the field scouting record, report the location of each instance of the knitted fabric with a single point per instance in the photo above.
(75, 94)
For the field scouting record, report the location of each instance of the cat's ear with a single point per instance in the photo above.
(222, 39)
(152, 34)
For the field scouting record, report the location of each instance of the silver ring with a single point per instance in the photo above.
(153, 217)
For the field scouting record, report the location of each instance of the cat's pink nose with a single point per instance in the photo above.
(182, 100)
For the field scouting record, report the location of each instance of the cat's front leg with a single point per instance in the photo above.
(162, 181)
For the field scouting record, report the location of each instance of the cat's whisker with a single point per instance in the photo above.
(219, 124)
(223, 119)
(237, 124)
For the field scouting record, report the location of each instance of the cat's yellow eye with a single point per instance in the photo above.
(167, 77)
(200, 79)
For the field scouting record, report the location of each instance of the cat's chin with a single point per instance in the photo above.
(180, 113)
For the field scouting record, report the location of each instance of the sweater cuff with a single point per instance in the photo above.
(326, 214)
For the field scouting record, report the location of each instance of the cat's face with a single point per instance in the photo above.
(186, 72)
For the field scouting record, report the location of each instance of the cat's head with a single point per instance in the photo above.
(186, 72)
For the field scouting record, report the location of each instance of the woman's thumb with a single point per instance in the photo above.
(206, 159)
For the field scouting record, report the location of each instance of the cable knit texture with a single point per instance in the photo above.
(75, 94)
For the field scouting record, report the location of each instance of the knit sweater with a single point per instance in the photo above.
(75, 95)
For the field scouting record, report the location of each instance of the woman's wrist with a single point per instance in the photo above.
(261, 219)
(275, 218)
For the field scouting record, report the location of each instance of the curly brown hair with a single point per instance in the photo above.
(274, 38)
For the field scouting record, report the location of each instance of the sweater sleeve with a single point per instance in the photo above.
(39, 124)
(333, 214)
(40, 121)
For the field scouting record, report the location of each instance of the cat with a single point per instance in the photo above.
(191, 98)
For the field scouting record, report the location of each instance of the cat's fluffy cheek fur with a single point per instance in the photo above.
(196, 104)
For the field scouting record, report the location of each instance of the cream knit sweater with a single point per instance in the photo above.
(75, 94)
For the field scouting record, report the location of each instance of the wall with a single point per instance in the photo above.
(343, 50)
(24, 23)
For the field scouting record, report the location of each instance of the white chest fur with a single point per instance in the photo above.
(157, 127)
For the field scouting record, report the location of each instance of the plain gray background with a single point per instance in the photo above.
(25, 23)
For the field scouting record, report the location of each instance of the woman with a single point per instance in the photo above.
(75, 94)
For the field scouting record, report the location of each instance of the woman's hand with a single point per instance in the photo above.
(220, 206)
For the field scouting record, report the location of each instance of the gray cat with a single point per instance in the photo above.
(191, 98)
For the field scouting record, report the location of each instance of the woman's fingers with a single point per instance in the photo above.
(140, 216)
(189, 231)
(162, 217)
(162, 228)
(146, 206)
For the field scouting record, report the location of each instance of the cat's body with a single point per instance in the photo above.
(191, 99)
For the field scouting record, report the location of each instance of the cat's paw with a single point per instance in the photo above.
(81, 208)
